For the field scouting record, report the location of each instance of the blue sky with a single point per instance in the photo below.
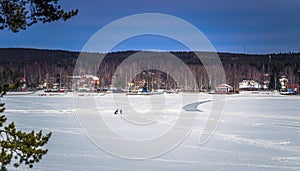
(259, 26)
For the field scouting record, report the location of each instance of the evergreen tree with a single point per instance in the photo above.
(299, 77)
(20, 14)
(17, 147)
(274, 79)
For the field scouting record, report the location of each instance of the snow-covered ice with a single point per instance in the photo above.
(256, 132)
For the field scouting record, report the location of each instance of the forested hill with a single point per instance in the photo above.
(36, 55)
(39, 65)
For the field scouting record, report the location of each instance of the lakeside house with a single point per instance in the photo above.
(84, 83)
(250, 85)
(288, 88)
(223, 89)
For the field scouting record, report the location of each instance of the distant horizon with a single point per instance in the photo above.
(151, 50)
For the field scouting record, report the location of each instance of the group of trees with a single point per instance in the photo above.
(261, 68)
(38, 66)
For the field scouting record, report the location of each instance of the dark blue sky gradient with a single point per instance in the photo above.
(261, 26)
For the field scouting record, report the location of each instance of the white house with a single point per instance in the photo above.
(223, 89)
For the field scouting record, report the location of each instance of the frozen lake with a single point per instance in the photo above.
(256, 132)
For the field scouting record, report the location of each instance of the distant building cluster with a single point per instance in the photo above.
(84, 83)
(251, 85)
(285, 87)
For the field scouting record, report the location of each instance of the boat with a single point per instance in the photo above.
(51, 92)
(287, 93)
(145, 93)
(138, 92)
(17, 93)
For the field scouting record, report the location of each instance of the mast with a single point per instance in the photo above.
(269, 68)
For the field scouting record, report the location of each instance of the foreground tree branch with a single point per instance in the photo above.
(17, 147)
(16, 15)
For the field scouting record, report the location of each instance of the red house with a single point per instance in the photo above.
(292, 87)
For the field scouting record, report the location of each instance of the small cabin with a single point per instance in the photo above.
(223, 89)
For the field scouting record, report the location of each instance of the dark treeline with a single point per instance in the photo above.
(38, 66)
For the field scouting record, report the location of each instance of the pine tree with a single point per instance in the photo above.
(274, 78)
(17, 147)
(20, 14)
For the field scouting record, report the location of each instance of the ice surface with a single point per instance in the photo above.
(257, 132)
